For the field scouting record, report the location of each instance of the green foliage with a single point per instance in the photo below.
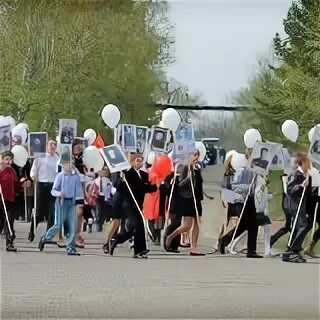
(67, 58)
(291, 91)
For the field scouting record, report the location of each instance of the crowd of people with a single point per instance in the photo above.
(139, 204)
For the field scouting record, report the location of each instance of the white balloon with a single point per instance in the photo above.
(151, 157)
(92, 159)
(239, 161)
(171, 119)
(90, 135)
(23, 125)
(202, 149)
(230, 154)
(20, 155)
(250, 137)
(111, 115)
(162, 125)
(11, 121)
(290, 130)
(311, 133)
(19, 132)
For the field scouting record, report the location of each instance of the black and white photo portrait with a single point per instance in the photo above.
(5, 138)
(159, 139)
(66, 153)
(265, 156)
(141, 138)
(262, 160)
(314, 151)
(37, 144)
(115, 158)
(128, 138)
(67, 130)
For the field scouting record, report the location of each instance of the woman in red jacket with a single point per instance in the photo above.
(9, 188)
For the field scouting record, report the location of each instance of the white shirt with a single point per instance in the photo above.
(138, 172)
(105, 187)
(44, 168)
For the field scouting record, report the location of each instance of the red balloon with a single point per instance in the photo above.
(162, 166)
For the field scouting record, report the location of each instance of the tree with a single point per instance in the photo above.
(67, 58)
(291, 91)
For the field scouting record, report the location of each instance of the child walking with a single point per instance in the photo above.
(67, 189)
(9, 188)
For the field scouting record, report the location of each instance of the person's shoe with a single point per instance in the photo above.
(113, 245)
(73, 253)
(253, 255)
(293, 257)
(184, 245)
(80, 245)
(131, 244)
(31, 236)
(141, 255)
(197, 254)
(11, 248)
(61, 244)
(106, 248)
(173, 250)
(41, 245)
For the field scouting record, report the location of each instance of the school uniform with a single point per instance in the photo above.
(44, 169)
(139, 184)
(70, 185)
(103, 204)
(9, 185)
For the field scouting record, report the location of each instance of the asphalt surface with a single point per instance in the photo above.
(52, 285)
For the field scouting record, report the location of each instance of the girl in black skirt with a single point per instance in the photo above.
(186, 204)
(117, 213)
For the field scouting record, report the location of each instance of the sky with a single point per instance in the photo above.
(219, 42)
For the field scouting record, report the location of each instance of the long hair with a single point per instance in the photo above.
(303, 160)
(229, 170)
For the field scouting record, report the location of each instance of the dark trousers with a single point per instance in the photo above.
(104, 210)
(281, 232)
(45, 205)
(4, 223)
(303, 226)
(174, 225)
(248, 222)
(134, 227)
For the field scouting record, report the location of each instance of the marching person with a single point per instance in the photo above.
(285, 208)
(117, 214)
(43, 173)
(138, 182)
(77, 151)
(103, 203)
(187, 205)
(67, 190)
(248, 220)
(10, 186)
(297, 183)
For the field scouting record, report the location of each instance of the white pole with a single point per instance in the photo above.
(296, 217)
(5, 211)
(35, 187)
(171, 195)
(25, 204)
(314, 221)
(241, 214)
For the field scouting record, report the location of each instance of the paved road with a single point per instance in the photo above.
(45, 285)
